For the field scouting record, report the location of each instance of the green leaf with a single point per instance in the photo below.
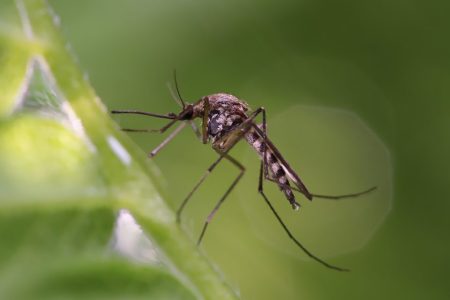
(80, 212)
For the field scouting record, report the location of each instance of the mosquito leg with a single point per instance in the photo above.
(167, 140)
(219, 203)
(338, 197)
(242, 130)
(288, 232)
(264, 145)
(196, 130)
(161, 130)
(205, 121)
(164, 142)
(208, 171)
(330, 197)
(173, 117)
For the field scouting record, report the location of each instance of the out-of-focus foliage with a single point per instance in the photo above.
(80, 215)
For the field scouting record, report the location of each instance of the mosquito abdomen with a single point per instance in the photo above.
(274, 167)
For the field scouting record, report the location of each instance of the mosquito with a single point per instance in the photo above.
(226, 120)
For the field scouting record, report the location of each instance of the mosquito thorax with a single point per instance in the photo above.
(224, 113)
(225, 102)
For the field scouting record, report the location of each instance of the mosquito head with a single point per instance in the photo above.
(187, 113)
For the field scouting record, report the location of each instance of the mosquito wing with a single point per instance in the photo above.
(291, 174)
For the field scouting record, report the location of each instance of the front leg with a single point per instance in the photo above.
(206, 109)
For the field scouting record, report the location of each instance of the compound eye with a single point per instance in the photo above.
(188, 112)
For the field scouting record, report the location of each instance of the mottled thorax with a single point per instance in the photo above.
(221, 122)
(226, 112)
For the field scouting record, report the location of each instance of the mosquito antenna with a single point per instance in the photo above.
(173, 94)
(177, 89)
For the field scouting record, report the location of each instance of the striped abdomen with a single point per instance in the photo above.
(274, 166)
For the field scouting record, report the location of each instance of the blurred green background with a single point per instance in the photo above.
(311, 64)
